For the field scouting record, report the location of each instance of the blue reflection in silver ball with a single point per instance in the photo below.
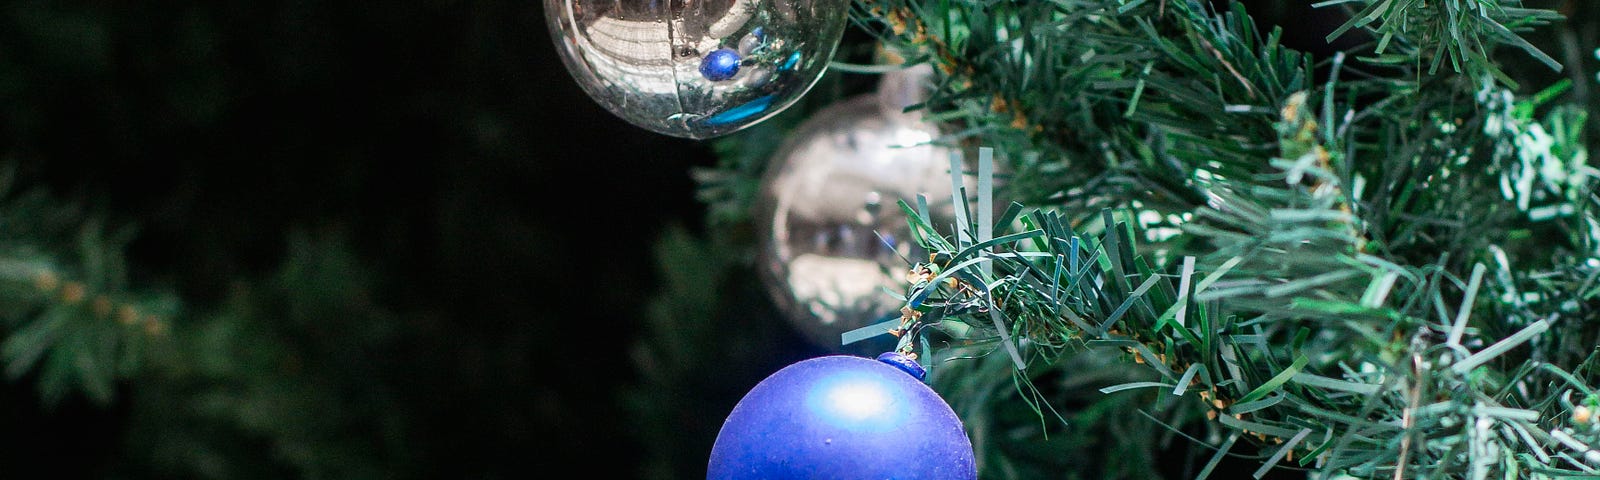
(721, 64)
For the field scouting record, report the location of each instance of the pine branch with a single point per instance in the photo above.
(207, 385)
(1290, 334)
(281, 380)
(1463, 32)
(1285, 278)
(1360, 268)
(72, 320)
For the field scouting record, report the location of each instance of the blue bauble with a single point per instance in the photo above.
(721, 64)
(842, 417)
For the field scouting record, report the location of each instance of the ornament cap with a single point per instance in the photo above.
(902, 89)
(905, 364)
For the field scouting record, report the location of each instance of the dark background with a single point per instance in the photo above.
(444, 139)
(511, 215)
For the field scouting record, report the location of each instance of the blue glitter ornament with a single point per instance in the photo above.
(721, 64)
(843, 417)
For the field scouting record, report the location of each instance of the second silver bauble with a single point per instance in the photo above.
(835, 241)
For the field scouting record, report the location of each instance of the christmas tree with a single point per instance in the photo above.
(1336, 240)
(1169, 238)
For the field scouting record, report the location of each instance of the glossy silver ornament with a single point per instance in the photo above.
(835, 242)
(696, 68)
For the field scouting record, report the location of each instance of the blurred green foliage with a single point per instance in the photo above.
(473, 245)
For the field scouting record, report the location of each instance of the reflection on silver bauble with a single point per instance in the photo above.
(664, 65)
(835, 242)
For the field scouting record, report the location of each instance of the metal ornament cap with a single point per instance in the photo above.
(905, 364)
(842, 417)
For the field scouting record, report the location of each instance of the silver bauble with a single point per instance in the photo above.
(835, 242)
(696, 68)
